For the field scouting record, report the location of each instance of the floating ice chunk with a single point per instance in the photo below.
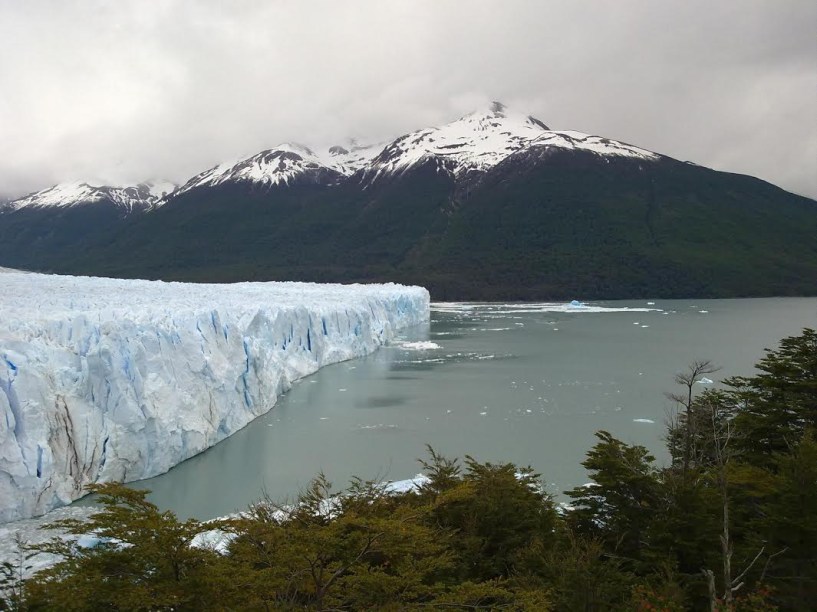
(405, 486)
(378, 427)
(643, 421)
(88, 541)
(705, 381)
(213, 539)
(420, 345)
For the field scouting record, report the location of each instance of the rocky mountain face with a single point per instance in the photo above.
(494, 205)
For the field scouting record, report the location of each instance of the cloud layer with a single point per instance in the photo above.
(122, 91)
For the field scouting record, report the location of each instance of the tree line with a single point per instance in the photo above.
(730, 524)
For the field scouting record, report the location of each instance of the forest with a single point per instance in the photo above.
(729, 523)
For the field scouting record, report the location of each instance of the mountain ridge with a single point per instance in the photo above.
(493, 205)
(474, 142)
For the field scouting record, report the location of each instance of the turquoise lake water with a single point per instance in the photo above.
(527, 383)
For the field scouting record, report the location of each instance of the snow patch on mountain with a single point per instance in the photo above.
(64, 195)
(477, 141)
(109, 379)
(569, 139)
(480, 140)
(284, 164)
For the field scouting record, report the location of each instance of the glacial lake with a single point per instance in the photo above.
(526, 383)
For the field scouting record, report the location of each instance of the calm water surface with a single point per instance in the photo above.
(514, 382)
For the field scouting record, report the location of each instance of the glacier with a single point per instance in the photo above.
(110, 379)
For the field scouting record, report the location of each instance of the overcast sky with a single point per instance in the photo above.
(121, 91)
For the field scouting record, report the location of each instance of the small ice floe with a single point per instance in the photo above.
(213, 539)
(87, 540)
(577, 304)
(420, 345)
(341, 390)
(643, 326)
(406, 486)
(703, 311)
(650, 303)
(636, 323)
(705, 381)
(378, 427)
(643, 421)
(482, 413)
(324, 418)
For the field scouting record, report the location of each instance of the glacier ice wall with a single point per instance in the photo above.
(108, 379)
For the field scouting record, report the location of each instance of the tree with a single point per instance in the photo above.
(143, 559)
(789, 523)
(779, 404)
(686, 423)
(619, 505)
(493, 511)
(12, 577)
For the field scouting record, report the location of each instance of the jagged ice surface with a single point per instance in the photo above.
(107, 379)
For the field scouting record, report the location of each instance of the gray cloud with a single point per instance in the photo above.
(121, 91)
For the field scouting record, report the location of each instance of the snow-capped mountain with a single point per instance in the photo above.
(482, 139)
(128, 199)
(493, 205)
(286, 164)
(473, 143)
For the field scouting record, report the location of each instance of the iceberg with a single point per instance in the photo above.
(111, 379)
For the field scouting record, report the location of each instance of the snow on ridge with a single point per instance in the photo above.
(109, 379)
(284, 163)
(477, 141)
(64, 195)
(570, 139)
(473, 143)
(481, 140)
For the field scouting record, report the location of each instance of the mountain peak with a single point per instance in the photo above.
(497, 107)
(80, 192)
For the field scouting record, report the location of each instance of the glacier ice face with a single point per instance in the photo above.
(107, 379)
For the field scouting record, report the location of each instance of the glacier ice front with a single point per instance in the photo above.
(107, 379)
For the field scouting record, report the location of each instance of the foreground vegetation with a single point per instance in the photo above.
(730, 524)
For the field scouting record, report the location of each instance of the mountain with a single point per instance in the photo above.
(494, 205)
(288, 164)
(62, 220)
(67, 195)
